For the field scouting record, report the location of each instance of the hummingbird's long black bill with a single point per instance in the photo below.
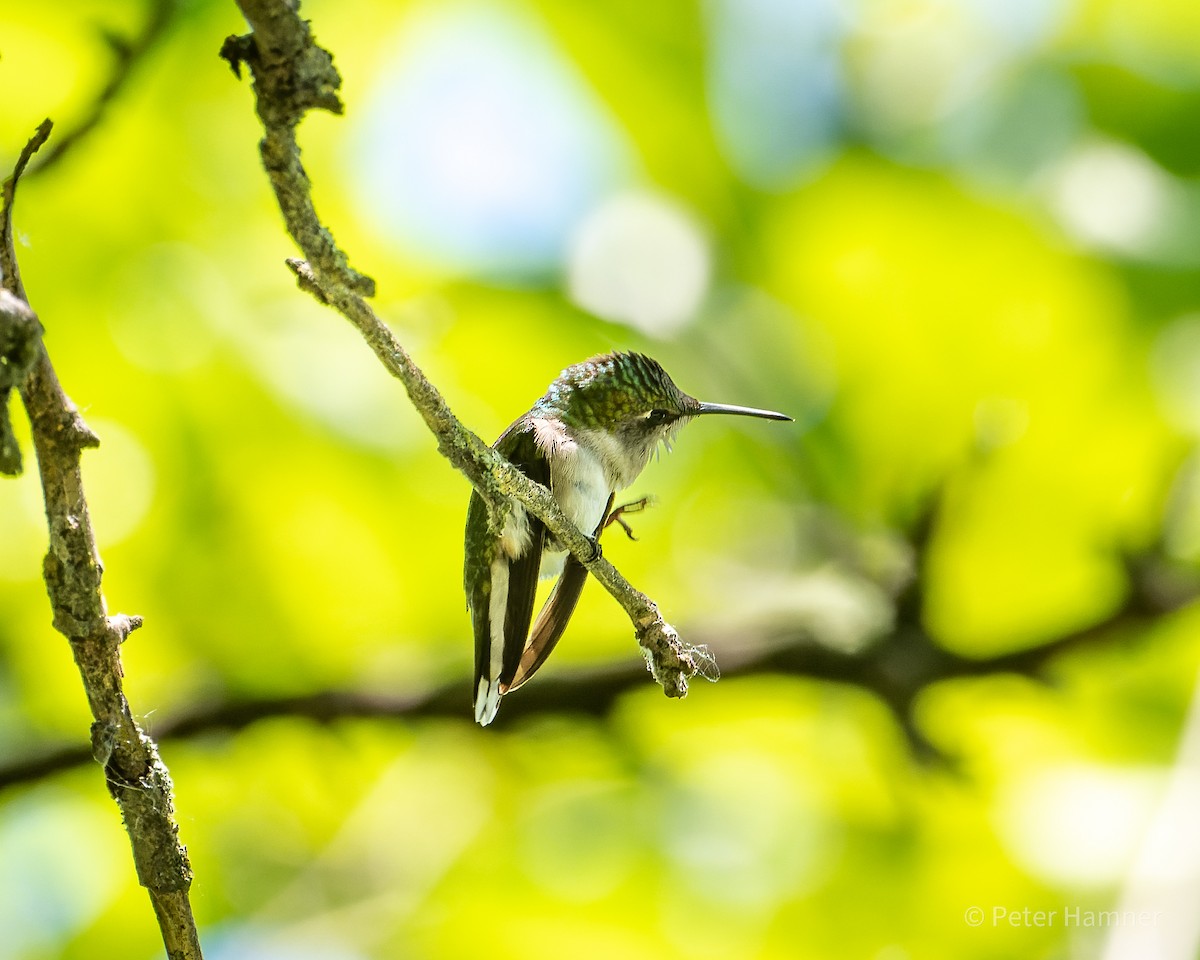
(739, 411)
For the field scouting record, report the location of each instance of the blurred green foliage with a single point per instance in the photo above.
(957, 240)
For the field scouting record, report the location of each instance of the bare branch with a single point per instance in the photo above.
(20, 331)
(136, 777)
(293, 75)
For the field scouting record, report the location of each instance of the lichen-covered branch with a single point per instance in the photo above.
(136, 777)
(293, 75)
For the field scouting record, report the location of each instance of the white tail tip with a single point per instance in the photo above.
(487, 701)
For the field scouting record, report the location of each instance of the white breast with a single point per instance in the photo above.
(581, 487)
(580, 481)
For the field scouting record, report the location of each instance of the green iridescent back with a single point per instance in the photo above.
(611, 388)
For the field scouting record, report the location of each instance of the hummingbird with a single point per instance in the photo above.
(589, 436)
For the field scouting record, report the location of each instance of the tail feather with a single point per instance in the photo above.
(487, 701)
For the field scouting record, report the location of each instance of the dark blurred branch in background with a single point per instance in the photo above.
(896, 668)
(136, 777)
(127, 54)
(293, 75)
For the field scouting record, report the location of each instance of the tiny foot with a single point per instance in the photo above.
(635, 506)
(597, 553)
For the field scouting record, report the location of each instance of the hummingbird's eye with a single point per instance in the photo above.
(655, 417)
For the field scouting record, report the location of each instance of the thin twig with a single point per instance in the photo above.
(20, 331)
(127, 53)
(136, 777)
(293, 75)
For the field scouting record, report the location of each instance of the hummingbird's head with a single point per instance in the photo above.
(632, 399)
(620, 393)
